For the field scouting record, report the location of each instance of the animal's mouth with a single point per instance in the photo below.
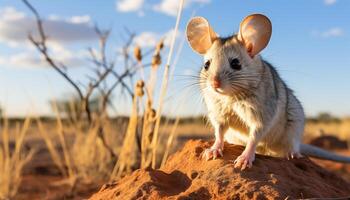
(219, 90)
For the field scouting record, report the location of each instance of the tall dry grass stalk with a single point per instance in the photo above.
(170, 141)
(77, 150)
(156, 61)
(149, 115)
(66, 152)
(164, 87)
(92, 161)
(55, 155)
(126, 155)
(12, 161)
(138, 57)
(147, 134)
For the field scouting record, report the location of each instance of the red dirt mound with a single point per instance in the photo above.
(187, 176)
(341, 169)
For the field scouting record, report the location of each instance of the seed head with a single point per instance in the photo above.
(139, 88)
(139, 92)
(152, 113)
(160, 45)
(140, 83)
(156, 60)
(137, 53)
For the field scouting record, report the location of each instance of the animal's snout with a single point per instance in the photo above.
(216, 83)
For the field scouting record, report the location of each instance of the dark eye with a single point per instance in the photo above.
(207, 65)
(235, 64)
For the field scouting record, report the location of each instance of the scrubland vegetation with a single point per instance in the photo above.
(86, 145)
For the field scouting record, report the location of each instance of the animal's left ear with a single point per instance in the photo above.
(254, 33)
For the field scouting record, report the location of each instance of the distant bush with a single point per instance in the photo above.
(324, 117)
(71, 109)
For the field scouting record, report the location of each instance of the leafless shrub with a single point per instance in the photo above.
(90, 156)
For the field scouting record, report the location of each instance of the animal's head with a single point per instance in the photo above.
(231, 65)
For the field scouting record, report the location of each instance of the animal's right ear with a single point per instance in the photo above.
(200, 35)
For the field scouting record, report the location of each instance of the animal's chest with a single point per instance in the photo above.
(226, 111)
(220, 107)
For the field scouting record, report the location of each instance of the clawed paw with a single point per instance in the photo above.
(293, 155)
(212, 153)
(244, 160)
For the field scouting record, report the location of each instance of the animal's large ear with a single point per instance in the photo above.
(254, 33)
(200, 35)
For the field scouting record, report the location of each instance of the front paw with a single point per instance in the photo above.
(244, 160)
(212, 153)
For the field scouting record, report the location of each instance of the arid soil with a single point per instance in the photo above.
(42, 180)
(187, 176)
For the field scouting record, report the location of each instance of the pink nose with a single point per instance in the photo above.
(216, 83)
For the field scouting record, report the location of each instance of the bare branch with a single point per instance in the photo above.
(41, 45)
(103, 67)
(119, 77)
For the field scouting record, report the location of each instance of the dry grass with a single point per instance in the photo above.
(125, 160)
(149, 145)
(164, 88)
(339, 129)
(84, 159)
(92, 161)
(12, 161)
(170, 141)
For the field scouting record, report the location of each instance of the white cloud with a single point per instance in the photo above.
(31, 58)
(150, 39)
(329, 2)
(332, 32)
(15, 27)
(147, 39)
(129, 5)
(10, 13)
(80, 19)
(54, 17)
(170, 7)
(23, 59)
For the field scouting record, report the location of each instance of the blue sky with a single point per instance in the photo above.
(310, 47)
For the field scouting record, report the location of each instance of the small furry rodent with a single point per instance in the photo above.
(247, 101)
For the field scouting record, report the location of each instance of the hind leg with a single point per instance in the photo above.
(295, 133)
(295, 127)
(293, 154)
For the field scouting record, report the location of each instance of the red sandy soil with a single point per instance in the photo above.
(338, 146)
(42, 180)
(340, 169)
(187, 176)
